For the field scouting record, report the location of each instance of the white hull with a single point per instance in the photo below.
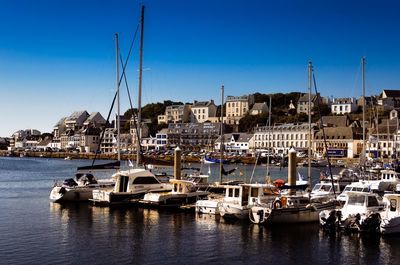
(71, 194)
(207, 207)
(232, 211)
(390, 226)
(302, 214)
(172, 198)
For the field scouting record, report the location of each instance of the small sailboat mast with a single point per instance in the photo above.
(139, 118)
(363, 156)
(309, 121)
(222, 135)
(118, 97)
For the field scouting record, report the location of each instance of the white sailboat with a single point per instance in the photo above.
(134, 183)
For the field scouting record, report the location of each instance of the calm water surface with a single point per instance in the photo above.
(35, 231)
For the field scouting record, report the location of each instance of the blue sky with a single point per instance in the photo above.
(57, 57)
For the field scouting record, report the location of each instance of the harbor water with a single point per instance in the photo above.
(35, 231)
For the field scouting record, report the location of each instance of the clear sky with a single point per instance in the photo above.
(58, 56)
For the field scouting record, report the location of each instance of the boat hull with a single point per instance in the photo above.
(301, 214)
(207, 207)
(391, 226)
(61, 194)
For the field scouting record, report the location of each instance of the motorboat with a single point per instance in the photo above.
(183, 192)
(289, 209)
(325, 191)
(388, 181)
(360, 213)
(79, 188)
(130, 186)
(360, 186)
(390, 223)
(240, 198)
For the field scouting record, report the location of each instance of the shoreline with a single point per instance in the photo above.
(156, 160)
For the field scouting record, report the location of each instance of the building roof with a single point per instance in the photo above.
(95, 118)
(339, 133)
(76, 115)
(343, 101)
(60, 122)
(238, 137)
(199, 104)
(390, 93)
(44, 142)
(304, 98)
(259, 106)
(335, 121)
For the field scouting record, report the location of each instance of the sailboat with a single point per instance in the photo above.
(291, 207)
(132, 184)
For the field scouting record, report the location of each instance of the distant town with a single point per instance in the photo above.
(248, 127)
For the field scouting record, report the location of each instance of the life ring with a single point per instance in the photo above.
(277, 204)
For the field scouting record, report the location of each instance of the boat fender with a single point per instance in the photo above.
(277, 204)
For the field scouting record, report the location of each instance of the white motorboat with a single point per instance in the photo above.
(289, 209)
(184, 192)
(79, 189)
(359, 213)
(131, 185)
(239, 199)
(390, 223)
(325, 191)
(360, 186)
(388, 181)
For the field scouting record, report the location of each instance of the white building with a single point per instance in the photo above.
(344, 105)
(238, 143)
(280, 138)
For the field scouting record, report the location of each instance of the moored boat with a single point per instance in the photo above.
(390, 223)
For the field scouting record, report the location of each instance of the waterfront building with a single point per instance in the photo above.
(237, 107)
(344, 142)
(279, 138)
(344, 105)
(201, 111)
(76, 120)
(334, 121)
(384, 139)
(89, 140)
(188, 136)
(19, 138)
(109, 138)
(162, 139)
(235, 143)
(44, 144)
(149, 143)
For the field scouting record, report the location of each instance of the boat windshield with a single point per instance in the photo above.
(356, 200)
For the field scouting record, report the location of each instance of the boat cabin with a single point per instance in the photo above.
(127, 181)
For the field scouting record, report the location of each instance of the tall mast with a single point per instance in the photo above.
(139, 118)
(221, 147)
(364, 106)
(309, 121)
(118, 102)
(269, 134)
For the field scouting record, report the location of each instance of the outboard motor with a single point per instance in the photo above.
(70, 182)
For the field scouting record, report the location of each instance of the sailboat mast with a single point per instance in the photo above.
(222, 134)
(309, 121)
(364, 106)
(118, 97)
(139, 118)
(269, 133)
